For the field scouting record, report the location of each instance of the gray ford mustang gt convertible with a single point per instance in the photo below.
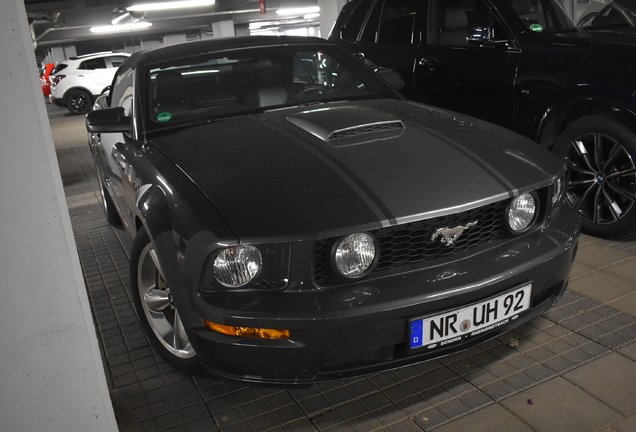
(296, 220)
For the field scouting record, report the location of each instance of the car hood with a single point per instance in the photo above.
(314, 172)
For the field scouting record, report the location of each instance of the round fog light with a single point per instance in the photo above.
(522, 212)
(237, 265)
(355, 255)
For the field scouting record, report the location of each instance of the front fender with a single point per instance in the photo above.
(592, 100)
(184, 232)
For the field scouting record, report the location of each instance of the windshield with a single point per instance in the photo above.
(546, 15)
(229, 83)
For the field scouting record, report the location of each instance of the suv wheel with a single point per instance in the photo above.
(79, 101)
(600, 153)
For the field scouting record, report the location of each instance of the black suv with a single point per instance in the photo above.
(558, 71)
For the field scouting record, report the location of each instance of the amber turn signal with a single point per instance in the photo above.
(251, 332)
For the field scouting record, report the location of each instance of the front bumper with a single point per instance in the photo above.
(361, 328)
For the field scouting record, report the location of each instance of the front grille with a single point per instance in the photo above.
(409, 244)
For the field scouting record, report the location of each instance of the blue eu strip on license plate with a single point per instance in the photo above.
(460, 324)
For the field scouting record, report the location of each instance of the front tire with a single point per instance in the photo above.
(156, 309)
(79, 101)
(600, 154)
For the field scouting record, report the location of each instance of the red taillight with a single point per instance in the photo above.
(57, 78)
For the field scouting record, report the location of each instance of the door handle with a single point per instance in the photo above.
(359, 55)
(428, 61)
(119, 158)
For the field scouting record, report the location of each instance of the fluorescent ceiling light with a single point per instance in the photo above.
(169, 5)
(121, 27)
(311, 16)
(298, 11)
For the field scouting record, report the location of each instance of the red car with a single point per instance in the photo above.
(45, 73)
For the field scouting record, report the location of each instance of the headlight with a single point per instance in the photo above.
(522, 212)
(237, 265)
(253, 267)
(355, 255)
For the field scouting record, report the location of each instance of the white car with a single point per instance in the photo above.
(76, 82)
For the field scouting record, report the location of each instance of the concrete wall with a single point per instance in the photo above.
(51, 373)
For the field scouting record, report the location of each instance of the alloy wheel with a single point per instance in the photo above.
(601, 178)
(159, 307)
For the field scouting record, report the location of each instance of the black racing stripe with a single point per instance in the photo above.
(496, 175)
(332, 160)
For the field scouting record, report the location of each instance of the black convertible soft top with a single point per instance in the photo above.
(203, 46)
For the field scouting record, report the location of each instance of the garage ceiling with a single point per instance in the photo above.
(69, 22)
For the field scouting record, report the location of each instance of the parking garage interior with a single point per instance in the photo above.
(74, 357)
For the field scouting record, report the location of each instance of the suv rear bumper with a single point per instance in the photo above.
(61, 102)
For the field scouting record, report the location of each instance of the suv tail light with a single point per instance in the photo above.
(57, 78)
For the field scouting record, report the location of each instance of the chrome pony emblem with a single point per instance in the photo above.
(448, 236)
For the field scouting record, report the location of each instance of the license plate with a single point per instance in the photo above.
(457, 325)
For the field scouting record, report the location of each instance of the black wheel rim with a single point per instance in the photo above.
(79, 103)
(601, 178)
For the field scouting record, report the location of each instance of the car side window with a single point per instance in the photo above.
(355, 21)
(116, 61)
(122, 93)
(452, 21)
(92, 64)
(396, 22)
(390, 22)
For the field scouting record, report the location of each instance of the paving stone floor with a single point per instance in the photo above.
(571, 369)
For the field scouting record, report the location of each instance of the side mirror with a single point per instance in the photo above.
(484, 36)
(107, 120)
(480, 35)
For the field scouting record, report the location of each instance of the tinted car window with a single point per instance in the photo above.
(369, 34)
(116, 61)
(541, 15)
(451, 21)
(96, 63)
(396, 23)
(122, 93)
(354, 23)
(219, 85)
(59, 67)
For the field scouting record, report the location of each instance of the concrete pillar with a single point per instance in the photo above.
(329, 10)
(57, 54)
(172, 39)
(51, 373)
(223, 29)
(149, 44)
(70, 51)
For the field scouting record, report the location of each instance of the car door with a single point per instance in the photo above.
(115, 154)
(473, 77)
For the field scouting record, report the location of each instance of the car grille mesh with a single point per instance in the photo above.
(411, 243)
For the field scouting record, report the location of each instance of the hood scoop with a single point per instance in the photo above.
(347, 125)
